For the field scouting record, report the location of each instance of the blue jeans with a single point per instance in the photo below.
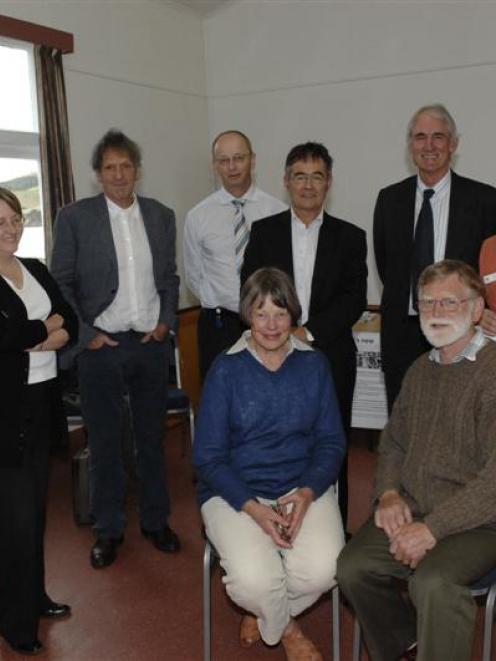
(106, 375)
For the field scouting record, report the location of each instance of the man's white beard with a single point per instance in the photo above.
(450, 332)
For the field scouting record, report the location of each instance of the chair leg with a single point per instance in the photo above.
(357, 640)
(336, 628)
(488, 624)
(207, 603)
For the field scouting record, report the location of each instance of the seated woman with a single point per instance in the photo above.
(35, 321)
(268, 448)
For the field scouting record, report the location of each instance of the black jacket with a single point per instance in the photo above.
(18, 333)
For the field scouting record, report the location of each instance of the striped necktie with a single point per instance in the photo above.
(241, 232)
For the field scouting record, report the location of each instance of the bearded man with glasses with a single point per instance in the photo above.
(434, 523)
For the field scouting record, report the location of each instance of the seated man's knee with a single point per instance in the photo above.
(429, 583)
(350, 567)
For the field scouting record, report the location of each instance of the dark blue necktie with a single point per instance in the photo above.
(423, 243)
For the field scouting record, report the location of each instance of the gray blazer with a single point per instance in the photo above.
(84, 260)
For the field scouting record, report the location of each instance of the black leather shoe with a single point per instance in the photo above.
(53, 609)
(28, 649)
(104, 552)
(164, 540)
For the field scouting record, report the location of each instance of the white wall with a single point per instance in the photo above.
(138, 66)
(350, 74)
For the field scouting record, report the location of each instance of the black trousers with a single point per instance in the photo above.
(344, 376)
(23, 492)
(218, 329)
(398, 356)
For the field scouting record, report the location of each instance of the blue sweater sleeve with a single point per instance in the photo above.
(330, 446)
(211, 455)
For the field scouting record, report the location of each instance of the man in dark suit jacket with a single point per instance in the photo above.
(326, 257)
(114, 259)
(463, 215)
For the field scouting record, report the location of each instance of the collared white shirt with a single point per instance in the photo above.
(242, 344)
(440, 213)
(209, 249)
(136, 305)
(469, 351)
(304, 240)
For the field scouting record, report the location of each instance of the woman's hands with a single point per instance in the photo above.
(57, 336)
(297, 503)
(269, 520)
(283, 525)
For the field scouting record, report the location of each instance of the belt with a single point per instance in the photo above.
(220, 312)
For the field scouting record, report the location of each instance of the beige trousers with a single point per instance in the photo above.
(272, 583)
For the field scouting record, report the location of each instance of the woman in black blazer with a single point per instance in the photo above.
(35, 322)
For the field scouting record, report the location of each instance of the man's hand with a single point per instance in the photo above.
(392, 512)
(410, 543)
(268, 520)
(159, 333)
(300, 500)
(300, 333)
(488, 322)
(100, 340)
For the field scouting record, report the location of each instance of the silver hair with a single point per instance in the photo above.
(438, 111)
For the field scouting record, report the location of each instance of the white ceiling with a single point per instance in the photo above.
(204, 7)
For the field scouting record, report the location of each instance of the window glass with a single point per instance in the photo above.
(22, 177)
(19, 141)
(18, 110)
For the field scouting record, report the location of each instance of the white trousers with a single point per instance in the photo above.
(272, 583)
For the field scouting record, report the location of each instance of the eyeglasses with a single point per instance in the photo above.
(448, 304)
(15, 223)
(314, 178)
(237, 159)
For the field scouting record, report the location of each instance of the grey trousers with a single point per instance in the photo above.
(440, 614)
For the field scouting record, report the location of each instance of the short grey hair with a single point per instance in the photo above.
(269, 283)
(466, 274)
(438, 111)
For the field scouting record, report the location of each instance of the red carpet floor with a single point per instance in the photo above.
(148, 605)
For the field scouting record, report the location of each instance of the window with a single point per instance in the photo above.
(19, 141)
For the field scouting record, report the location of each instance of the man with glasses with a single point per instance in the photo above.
(326, 258)
(434, 523)
(433, 215)
(215, 235)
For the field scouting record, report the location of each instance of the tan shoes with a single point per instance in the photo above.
(297, 646)
(248, 631)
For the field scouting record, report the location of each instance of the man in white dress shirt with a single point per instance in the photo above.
(215, 235)
(114, 259)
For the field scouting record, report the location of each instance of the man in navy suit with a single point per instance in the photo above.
(326, 258)
(114, 259)
(463, 214)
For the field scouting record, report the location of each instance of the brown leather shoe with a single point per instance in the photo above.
(248, 631)
(298, 647)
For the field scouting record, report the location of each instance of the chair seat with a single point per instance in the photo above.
(177, 399)
(485, 582)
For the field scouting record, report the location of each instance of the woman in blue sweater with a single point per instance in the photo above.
(268, 448)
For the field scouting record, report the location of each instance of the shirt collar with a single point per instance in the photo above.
(116, 209)
(316, 222)
(438, 188)
(469, 352)
(242, 345)
(251, 195)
